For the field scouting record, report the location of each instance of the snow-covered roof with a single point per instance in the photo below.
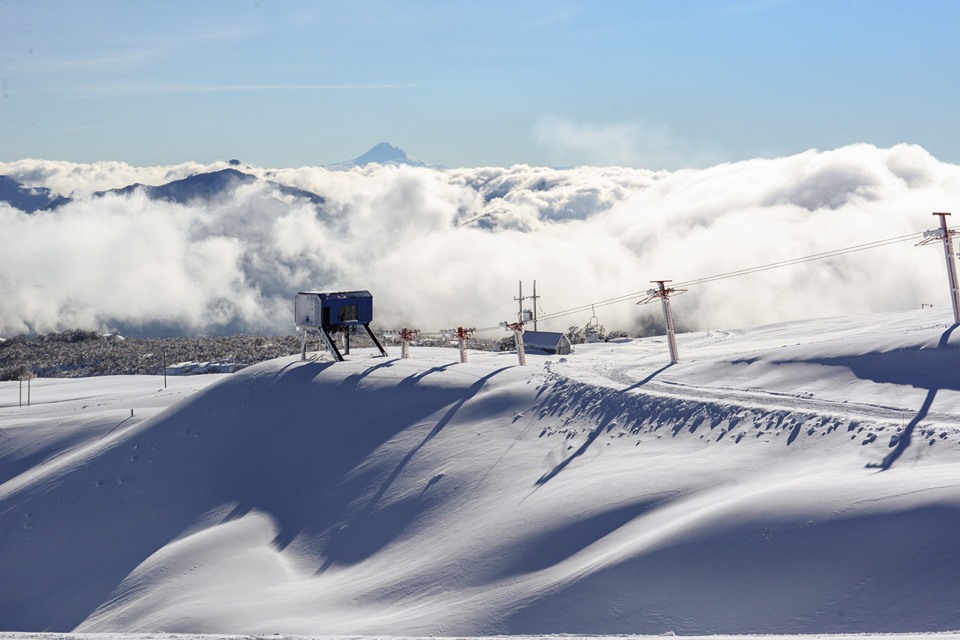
(543, 339)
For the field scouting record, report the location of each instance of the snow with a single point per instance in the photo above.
(193, 368)
(799, 478)
(278, 636)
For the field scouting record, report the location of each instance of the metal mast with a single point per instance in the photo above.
(663, 293)
(525, 315)
(534, 298)
(517, 328)
(520, 300)
(946, 235)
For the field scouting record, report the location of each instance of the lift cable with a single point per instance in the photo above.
(733, 274)
(810, 258)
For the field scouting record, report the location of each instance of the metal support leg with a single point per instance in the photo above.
(376, 342)
(331, 346)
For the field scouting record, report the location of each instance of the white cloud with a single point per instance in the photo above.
(75, 179)
(442, 248)
(626, 144)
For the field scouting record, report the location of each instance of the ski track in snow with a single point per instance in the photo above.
(731, 405)
(601, 493)
(732, 408)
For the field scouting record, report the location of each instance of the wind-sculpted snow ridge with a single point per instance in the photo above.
(712, 416)
(796, 478)
(619, 414)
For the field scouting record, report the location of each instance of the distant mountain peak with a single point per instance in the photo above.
(381, 153)
(28, 199)
(209, 185)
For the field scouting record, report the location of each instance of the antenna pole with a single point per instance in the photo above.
(520, 300)
(527, 316)
(947, 237)
(534, 298)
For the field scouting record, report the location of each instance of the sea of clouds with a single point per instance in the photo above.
(446, 248)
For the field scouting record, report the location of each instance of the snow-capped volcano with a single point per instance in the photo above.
(797, 478)
(381, 153)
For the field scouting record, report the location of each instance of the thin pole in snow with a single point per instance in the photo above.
(534, 298)
(520, 300)
(671, 334)
(517, 328)
(521, 351)
(951, 266)
(946, 235)
(462, 335)
(526, 315)
(405, 337)
(663, 293)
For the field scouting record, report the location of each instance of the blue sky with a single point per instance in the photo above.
(554, 82)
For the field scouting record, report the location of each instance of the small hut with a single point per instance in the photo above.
(333, 312)
(548, 342)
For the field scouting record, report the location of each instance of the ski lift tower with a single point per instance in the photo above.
(335, 312)
(945, 234)
(662, 292)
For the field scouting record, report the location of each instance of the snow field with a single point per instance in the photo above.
(794, 479)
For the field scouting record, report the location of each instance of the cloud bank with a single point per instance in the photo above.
(442, 248)
(628, 143)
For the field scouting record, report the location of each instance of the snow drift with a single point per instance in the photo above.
(796, 478)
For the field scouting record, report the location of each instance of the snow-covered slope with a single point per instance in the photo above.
(798, 478)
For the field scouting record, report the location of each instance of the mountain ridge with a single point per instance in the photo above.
(204, 185)
(28, 199)
(207, 186)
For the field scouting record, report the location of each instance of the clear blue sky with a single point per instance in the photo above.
(560, 82)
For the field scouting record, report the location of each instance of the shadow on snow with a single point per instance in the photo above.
(930, 369)
(294, 444)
